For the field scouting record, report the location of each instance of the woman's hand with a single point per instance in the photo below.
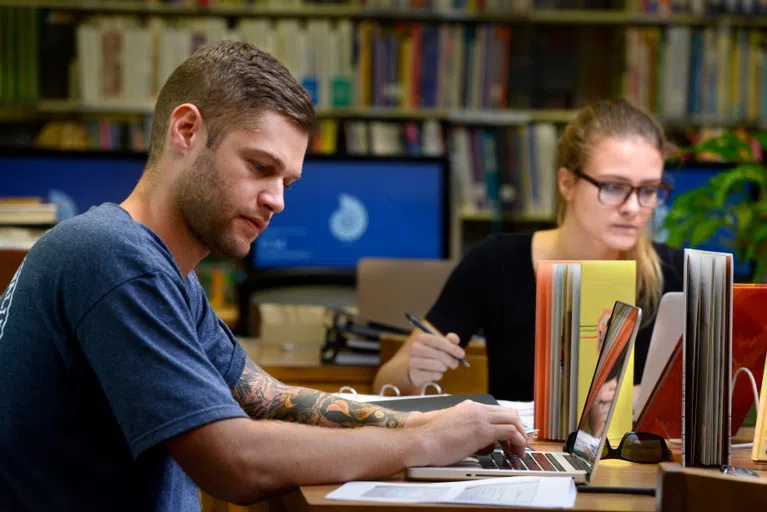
(431, 356)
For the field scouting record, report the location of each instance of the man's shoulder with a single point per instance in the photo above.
(104, 226)
(104, 239)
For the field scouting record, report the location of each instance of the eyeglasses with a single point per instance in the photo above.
(616, 193)
(642, 447)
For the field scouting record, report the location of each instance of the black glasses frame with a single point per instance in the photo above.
(608, 452)
(600, 184)
(615, 453)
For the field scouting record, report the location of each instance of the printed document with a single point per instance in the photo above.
(527, 491)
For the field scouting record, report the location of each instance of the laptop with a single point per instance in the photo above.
(580, 459)
(658, 407)
(669, 324)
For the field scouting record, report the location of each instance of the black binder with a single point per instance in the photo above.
(434, 402)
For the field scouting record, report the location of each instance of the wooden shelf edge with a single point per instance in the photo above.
(492, 117)
(534, 16)
(486, 216)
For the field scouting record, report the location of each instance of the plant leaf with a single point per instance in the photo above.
(703, 231)
(729, 147)
(759, 272)
(756, 242)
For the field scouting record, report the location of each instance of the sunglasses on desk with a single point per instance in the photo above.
(642, 447)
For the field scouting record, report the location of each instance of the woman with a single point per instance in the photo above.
(609, 175)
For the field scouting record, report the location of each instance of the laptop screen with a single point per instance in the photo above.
(617, 343)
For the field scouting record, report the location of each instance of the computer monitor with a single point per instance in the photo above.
(340, 210)
(75, 180)
(688, 177)
(344, 209)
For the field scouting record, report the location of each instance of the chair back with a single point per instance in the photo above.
(10, 259)
(388, 287)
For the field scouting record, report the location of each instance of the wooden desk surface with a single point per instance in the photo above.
(608, 473)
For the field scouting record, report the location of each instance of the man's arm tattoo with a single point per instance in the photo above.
(264, 397)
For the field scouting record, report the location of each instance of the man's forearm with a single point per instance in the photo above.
(359, 454)
(264, 397)
(243, 461)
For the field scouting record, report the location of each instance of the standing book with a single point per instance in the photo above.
(573, 304)
(707, 358)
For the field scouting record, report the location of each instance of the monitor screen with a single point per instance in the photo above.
(339, 211)
(345, 209)
(684, 179)
(76, 181)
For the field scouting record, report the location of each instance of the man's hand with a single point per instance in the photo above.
(467, 428)
(430, 356)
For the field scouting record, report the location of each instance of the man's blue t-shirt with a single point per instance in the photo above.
(106, 350)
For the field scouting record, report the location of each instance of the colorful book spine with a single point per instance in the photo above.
(574, 301)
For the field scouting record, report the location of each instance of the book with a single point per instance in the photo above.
(574, 300)
(706, 358)
(27, 213)
(662, 412)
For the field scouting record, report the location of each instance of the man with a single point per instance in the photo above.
(121, 390)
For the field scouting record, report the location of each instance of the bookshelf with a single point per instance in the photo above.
(357, 11)
(425, 106)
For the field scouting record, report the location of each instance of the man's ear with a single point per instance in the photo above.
(186, 129)
(566, 183)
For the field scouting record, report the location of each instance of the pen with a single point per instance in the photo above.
(421, 325)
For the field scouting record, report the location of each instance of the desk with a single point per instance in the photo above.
(609, 473)
(302, 367)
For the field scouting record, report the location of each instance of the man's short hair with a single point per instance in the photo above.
(227, 81)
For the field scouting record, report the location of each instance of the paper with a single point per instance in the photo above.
(527, 491)
(526, 411)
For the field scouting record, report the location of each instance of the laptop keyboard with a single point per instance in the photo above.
(577, 463)
(532, 461)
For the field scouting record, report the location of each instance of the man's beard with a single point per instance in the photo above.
(203, 203)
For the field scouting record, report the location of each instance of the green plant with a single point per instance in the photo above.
(725, 202)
